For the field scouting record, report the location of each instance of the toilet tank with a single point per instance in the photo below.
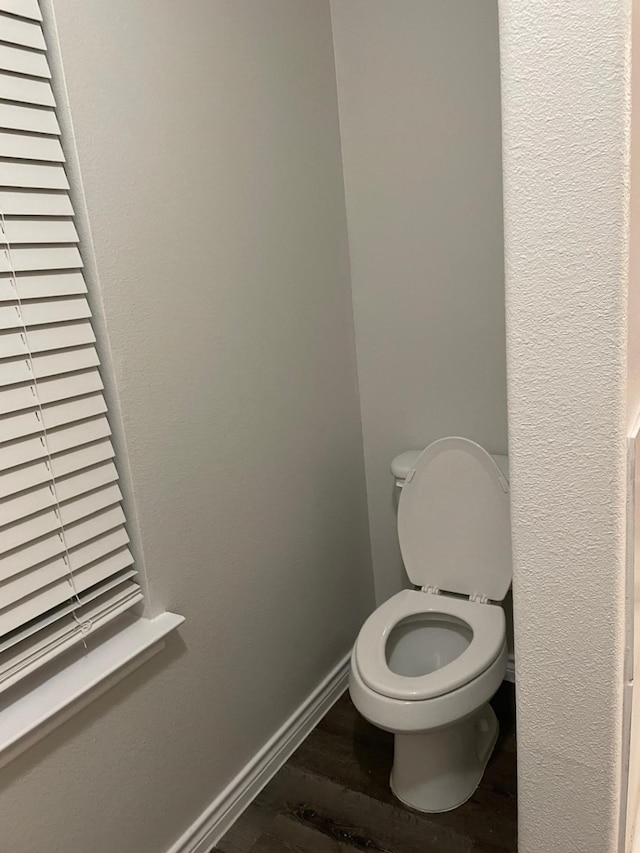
(404, 462)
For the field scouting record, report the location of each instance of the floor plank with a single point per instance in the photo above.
(244, 833)
(333, 796)
(327, 803)
(290, 834)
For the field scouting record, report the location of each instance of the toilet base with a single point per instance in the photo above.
(438, 770)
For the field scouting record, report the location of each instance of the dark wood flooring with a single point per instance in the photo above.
(333, 796)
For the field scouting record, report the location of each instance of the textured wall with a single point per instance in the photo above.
(633, 399)
(565, 114)
(419, 95)
(207, 133)
(633, 391)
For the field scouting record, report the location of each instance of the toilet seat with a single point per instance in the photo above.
(486, 621)
(454, 527)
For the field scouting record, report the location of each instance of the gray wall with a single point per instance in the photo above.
(419, 96)
(209, 145)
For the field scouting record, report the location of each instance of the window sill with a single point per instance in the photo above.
(33, 714)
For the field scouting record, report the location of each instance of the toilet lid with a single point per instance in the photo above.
(453, 521)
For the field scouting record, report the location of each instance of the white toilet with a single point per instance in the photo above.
(427, 661)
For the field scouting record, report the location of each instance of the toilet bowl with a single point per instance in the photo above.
(427, 661)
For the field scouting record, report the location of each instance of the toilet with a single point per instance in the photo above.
(427, 661)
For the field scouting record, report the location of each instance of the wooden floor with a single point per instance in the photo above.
(333, 796)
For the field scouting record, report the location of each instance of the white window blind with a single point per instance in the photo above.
(65, 568)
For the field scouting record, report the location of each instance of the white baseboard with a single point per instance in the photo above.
(216, 819)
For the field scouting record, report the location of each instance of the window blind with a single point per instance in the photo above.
(65, 566)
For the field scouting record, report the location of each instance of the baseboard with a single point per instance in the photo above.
(216, 819)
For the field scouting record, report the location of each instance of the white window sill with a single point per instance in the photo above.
(37, 711)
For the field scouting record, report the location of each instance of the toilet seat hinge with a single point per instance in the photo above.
(434, 590)
(478, 599)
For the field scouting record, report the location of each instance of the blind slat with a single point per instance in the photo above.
(24, 8)
(41, 338)
(26, 90)
(18, 202)
(31, 119)
(43, 313)
(25, 33)
(21, 146)
(63, 362)
(18, 231)
(27, 175)
(74, 334)
(42, 285)
(23, 61)
(50, 258)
